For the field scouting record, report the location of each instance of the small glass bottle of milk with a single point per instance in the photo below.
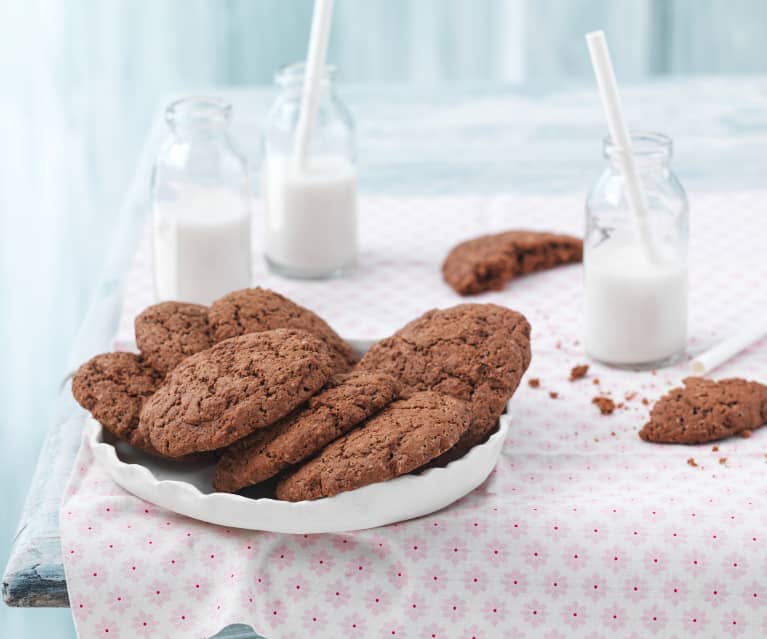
(201, 206)
(310, 207)
(636, 299)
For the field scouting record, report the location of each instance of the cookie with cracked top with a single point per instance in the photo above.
(489, 262)
(113, 387)
(474, 352)
(401, 438)
(168, 332)
(219, 395)
(345, 402)
(252, 310)
(704, 410)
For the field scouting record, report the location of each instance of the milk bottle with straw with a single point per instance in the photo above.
(308, 177)
(635, 248)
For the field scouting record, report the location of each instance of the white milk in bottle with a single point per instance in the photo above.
(201, 244)
(635, 310)
(636, 268)
(311, 216)
(309, 177)
(201, 206)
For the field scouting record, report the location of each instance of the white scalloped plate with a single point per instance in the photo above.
(186, 489)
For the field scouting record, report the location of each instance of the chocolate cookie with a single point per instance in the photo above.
(403, 437)
(475, 352)
(487, 263)
(253, 310)
(345, 402)
(222, 394)
(168, 332)
(706, 410)
(114, 387)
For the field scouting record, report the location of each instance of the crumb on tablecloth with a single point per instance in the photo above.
(605, 404)
(722, 460)
(579, 372)
(691, 462)
(745, 434)
(553, 395)
(630, 396)
(596, 381)
(714, 449)
(534, 382)
(645, 401)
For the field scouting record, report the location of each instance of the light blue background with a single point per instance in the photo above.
(80, 81)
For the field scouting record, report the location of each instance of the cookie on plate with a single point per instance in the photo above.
(252, 310)
(219, 395)
(705, 410)
(488, 262)
(401, 438)
(168, 332)
(345, 402)
(113, 387)
(474, 352)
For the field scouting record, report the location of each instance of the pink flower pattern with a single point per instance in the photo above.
(569, 482)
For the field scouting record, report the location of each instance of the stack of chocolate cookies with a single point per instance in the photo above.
(270, 389)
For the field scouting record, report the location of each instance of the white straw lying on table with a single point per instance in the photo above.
(621, 139)
(708, 361)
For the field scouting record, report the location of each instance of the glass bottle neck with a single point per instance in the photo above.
(290, 79)
(199, 118)
(649, 150)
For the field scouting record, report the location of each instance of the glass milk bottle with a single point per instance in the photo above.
(636, 294)
(201, 206)
(310, 208)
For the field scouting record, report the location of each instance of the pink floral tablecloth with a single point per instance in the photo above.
(582, 530)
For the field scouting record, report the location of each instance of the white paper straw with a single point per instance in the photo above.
(616, 124)
(314, 71)
(719, 354)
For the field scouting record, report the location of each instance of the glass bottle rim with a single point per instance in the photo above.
(198, 109)
(292, 74)
(645, 145)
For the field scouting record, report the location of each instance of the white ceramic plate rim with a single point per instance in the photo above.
(374, 505)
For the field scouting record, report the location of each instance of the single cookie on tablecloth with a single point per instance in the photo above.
(705, 410)
(217, 396)
(113, 387)
(401, 438)
(347, 400)
(253, 310)
(488, 262)
(474, 352)
(168, 332)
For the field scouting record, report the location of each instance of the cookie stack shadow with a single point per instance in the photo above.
(270, 389)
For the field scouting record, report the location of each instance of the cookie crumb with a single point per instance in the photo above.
(692, 462)
(630, 396)
(645, 401)
(579, 372)
(745, 434)
(534, 382)
(714, 449)
(553, 395)
(612, 433)
(596, 381)
(605, 404)
(722, 460)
